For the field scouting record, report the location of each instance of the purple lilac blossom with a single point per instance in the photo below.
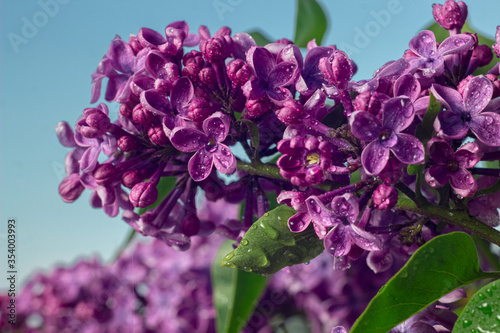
(208, 146)
(452, 166)
(386, 136)
(465, 111)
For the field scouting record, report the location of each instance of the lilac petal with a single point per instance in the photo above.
(182, 93)
(477, 94)
(379, 261)
(364, 239)
(486, 126)
(141, 83)
(453, 296)
(397, 113)
(420, 105)
(108, 145)
(408, 86)
(279, 95)
(338, 241)
(150, 38)
(72, 161)
(253, 90)
(121, 55)
(437, 175)
(451, 99)
(217, 126)
(115, 87)
(154, 63)
(455, 44)
(89, 158)
(462, 180)
(283, 74)
(96, 88)
(192, 40)
(424, 44)
(242, 43)
(374, 158)
(156, 102)
(494, 104)
(409, 149)
(468, 155)
(319, 213)
(450, 125)
(299, 222)
(188, 139)
(291, 53)
(88, 180)
(65, 134)
(106, 194)
(365, 126)
(261, 60)
(439, 150)
(224, 159)
(200, 165)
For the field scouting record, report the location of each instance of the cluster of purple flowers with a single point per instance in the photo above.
(183, 115)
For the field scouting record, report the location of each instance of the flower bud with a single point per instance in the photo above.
(143, 194)
(214, 49)
(207, 76)
(127, 143)
(105, 174)
(291, 113)
(65, 134)
(257, 107)
(200, 109)
(451, 15)
(157, 135)
(141, 116)
(71, 188)
(338, 69)
(239, 72)
(385, 197)
(125, 110)
(190, 225)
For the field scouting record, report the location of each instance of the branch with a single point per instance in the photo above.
(458, 218)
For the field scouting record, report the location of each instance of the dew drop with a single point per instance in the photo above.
(466, 323)
(244, 242)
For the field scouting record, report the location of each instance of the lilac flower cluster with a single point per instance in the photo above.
(341, 147)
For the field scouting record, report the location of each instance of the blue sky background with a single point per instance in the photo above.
(45, 78)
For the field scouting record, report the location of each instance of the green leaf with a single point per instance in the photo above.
(269, 245)
(165, 185)
(311, 22)
(482, 312)
(440, 266)
(259, 38)
(254, 136)
(235, 292)
(425, 130)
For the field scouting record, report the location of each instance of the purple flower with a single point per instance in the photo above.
(496, 46)
(485, 207)
(387, 136)
(270, 78)
(430, 58)
(465, 111)
(452, 166)
(311, 77)
(341, 216)
(208, 146)
(305, 160)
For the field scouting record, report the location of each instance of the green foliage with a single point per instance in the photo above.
(482, 312)
(269, 245)
(425, 131)
(442, 265)
(311, 23)
(235, 292)
(254, 136)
